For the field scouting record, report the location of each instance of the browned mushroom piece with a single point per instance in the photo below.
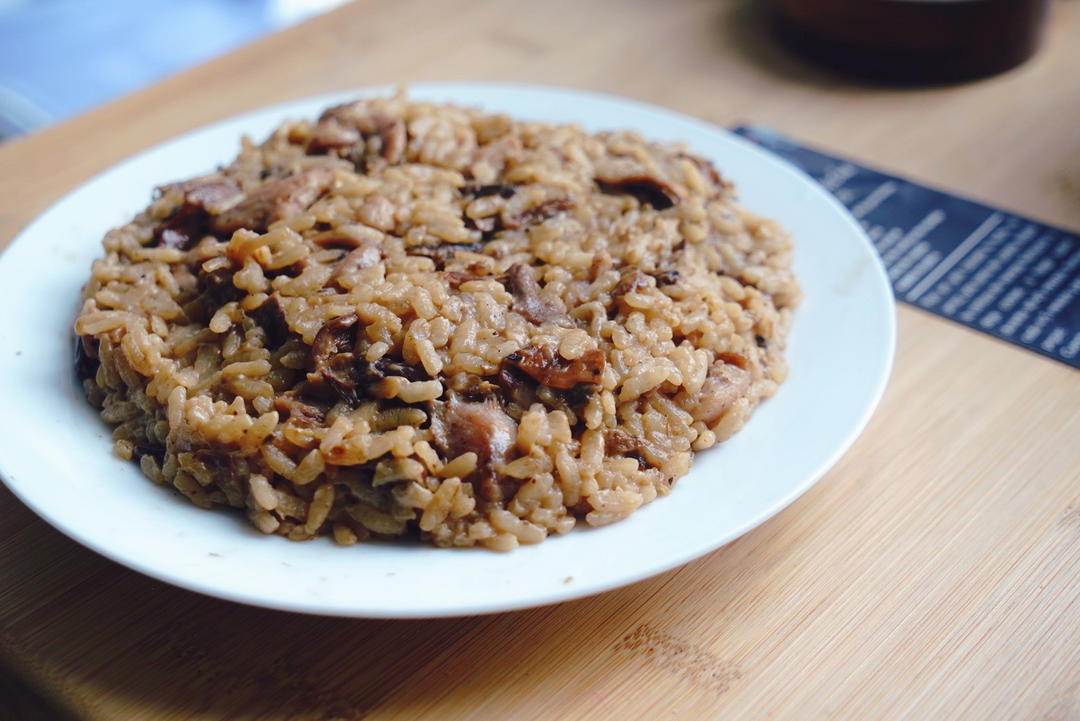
(181, 230)
(666, 277)
(388, 366)
(645, 188)
(334, 360)
(478, 190)
(725, 385)
(491, 225)
(217, 288)
(275, 200)
(518, 389)
(521, 284)
(618, 442)
(86, 356)
(154, 449)
(545, 366)
(271, 318)
(340, 367)
(488, 225)
(481, 428)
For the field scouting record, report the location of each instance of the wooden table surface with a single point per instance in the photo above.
(933, 573)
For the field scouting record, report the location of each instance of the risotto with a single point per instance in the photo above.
(427, 321)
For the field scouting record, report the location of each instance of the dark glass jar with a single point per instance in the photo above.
(914, 40)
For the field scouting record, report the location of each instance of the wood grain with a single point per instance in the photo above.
(931, 574)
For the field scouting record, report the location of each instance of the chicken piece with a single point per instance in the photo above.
(726, 384)
(545, 366)
(274, 201)
(367, 137)
(521, 284)
(481, 428)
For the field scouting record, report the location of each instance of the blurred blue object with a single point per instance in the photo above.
(59, 58)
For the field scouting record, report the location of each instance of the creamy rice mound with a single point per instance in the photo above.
(405, 319)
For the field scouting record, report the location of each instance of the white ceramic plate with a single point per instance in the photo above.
(55, 453)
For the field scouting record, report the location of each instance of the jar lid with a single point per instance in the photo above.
(913, 40)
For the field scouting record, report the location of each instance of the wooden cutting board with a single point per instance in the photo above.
(933, 573)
